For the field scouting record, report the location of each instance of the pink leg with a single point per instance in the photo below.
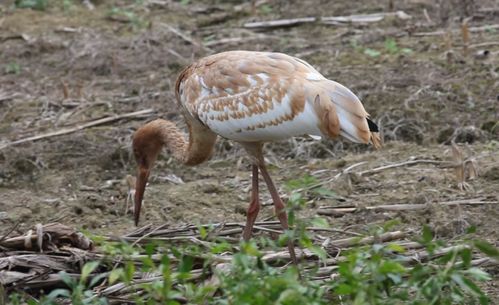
(254, 207)
(279, 208)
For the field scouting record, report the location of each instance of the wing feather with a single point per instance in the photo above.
(259, 96)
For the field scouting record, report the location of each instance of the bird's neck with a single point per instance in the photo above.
(191, 149)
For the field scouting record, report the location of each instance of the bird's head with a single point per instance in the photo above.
(147, 144)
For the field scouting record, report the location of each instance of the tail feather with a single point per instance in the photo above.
(354, 122)
(372, 126)
(375, 136)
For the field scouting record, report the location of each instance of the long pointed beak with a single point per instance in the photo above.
(140, 187)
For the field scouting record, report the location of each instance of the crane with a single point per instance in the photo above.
(251, 98)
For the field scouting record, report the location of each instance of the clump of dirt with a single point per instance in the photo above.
(492, 174)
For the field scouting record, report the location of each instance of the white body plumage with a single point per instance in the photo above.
(261, 96)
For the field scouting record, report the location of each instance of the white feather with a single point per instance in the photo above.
(263, 76)
(314, 76)
(252, 80)
(341, 96)
(304, 123)
(348, 130)
(314, 137)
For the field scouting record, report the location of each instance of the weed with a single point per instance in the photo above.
(39, 5)
(309, 186)
(377, 275)
(266, 9)
(129, 16)
(372, 52)
(391, 47)
(374, 274)
(67, 5)
(12, 68)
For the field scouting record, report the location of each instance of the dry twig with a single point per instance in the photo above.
(405, 163)
(340, 211)
(32, 270)
(364, 18)
(79, 127)
(472, 30)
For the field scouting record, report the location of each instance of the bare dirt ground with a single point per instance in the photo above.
(420, 79)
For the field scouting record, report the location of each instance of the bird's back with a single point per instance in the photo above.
(261, 96)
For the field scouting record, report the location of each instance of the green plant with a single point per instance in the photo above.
(39, 5)
(129, 16)
(371, 52)
(374, 274)
(79, 289)
(13, 68)
(309, 186)
(392, 47)
(266, 9)
(67, 5)
(377, 275)
(251, 281)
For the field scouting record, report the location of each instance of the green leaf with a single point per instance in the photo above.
(406, 50)
(266, 9)
(186, 264)
(487, 248)
(396, 278)
(490, 29)
(484, 300)
(343, 289)
(147, 264)
(391, 45)
(458, 279)
(87, 269)
(129, 271)
(472, 286)
(320, 222)
(150, 249)
(390, 224)
(12, 68)
(221, 247)
(471, 230)
(324, 192)
(176, 252)
(391, 267)
(115, 275)
(371, 52)
(321, 253)
(57, 293)
(295, 197)
(250, 249)
(291, 218)
(96, 279)
(478, 274)
(67, 279)
(466, 256)
(427, 234)
(303, 182)
(396, 248)
(32, 4)
(203, 232)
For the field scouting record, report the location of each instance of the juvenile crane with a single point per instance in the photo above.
(251, 98)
